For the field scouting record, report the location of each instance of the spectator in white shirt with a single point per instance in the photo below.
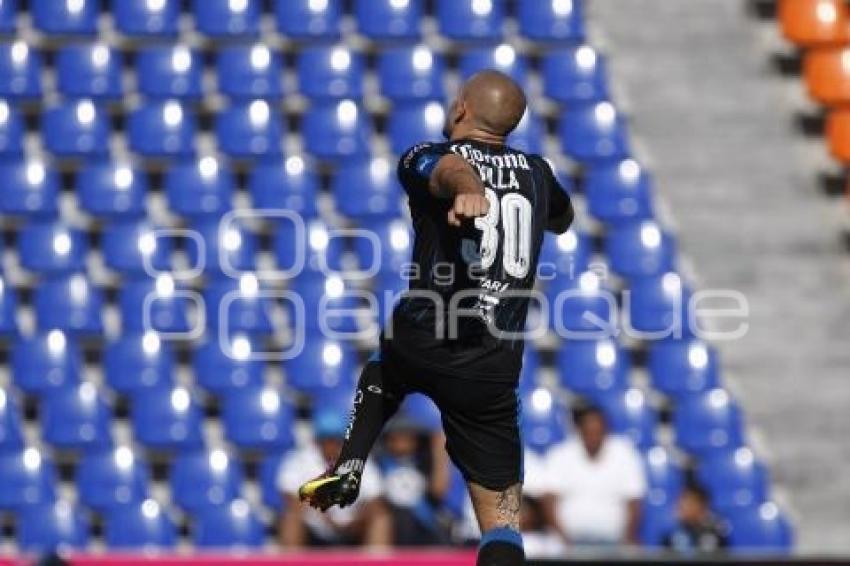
(595, 483)
(365, 522)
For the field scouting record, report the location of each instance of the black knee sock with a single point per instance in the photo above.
(501, 547)
(375, 402)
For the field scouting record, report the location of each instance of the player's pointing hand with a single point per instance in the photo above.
(468, 205)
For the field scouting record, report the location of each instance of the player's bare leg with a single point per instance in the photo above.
(498, 518)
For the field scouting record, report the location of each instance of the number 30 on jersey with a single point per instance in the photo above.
(514, 213)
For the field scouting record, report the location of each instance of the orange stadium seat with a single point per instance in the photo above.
(838, 134)
(827, 75)
(808, 23)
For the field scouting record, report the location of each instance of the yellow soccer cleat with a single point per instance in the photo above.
(328, 490)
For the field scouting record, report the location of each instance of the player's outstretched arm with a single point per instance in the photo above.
(454, 178)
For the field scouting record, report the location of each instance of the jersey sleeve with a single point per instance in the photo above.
(560, 205)
(416, 165)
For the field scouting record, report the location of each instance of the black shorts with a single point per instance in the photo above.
(480, 418)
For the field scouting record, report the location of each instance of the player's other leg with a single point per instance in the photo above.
(497, 512)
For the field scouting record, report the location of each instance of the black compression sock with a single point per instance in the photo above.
(501, 547)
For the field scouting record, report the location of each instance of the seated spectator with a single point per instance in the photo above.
(538, 540)
(697, 529)
(366, 522)
(595, 484)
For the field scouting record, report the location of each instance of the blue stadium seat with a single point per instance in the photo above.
(111, 478)
(203, 479)
(664, 477)
(396, 244)
(337, 130)
(70, 303)
(46, 361)
(656, 523)
(760, 530)
(52, 526)
(502, 58)
(640, 249)
(126, 244)
(233, 250)
(71, 17)
(563, 258)
(588, 309)
(551, 20)
(529, 134)
(109, 189)
(414, 123)
(8, 15)
(144, 526)
(258, 418)
(575, 75)
(543, 421)
(268, 479)
(147, 18)
(290, 184)
(326, 72)
(308, 19)
(388, 19)
(29, 188)
(12, 130)
(51, 248)
(252, 129)
(223, 18)
(163, 129)
(11, 438)
(630, 414)
(658, 306)
(166, 418)
(529, 374)
(201, 188)
(471, 19)
(708, 422)
(619, 192)
(593, 134)
(411, 73)
(153, 304)
(734, 478)
(329, 303)
(28, 478)
(681, 367)
(595, 368)
(75, 129)
(388, 287)
(21, 69)
(77, 418)
(322, 365)
(8, 308)
(136, 361)
(169, 71)
(222, 372)
(238, 301)
(423, 412)
(320, 249)
(89, 71)
(367, 188)
(231, 525)
(248, 72)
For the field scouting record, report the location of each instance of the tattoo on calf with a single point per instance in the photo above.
(507, 507)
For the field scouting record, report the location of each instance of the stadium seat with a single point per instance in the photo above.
(75, 129)
(708, 422)
(321, 250)
(68, 17)
(109, 189)
(551, 20)
(389, 19)
(169, 71)
(575, 75)
(827, 75)
(812, 23)
(308, 19)
(252, 129)
(203, 479)
(8, 308)
(394, 252)
(45, 362)
(544, 422)
(230, 525)
(290, 184)
(30, 188)
(838, 134)
(529, 134)
(502, 58)
(28, 478)
(471, 19)
(8, 14)
(411, 73)
(136, 361)
(235, 306)
(49, 527)
(642, 249)
(139, 526)
(330, 72)
(147, 18)
(268, 479)
(227, 18)
(337, 130)
(619, 192)
(89, 71)
(656, 523)
(734, 478)
(111, 478)
(248, 72)
(222, 371)
(154, 304)
(166, 418)
(587, 309)
(367, 188)
(128, 245)
(21, 69)
(163, 129)
(681, 367)
(12, 130)
(258, 418)
(594, 368)
(388, 287)
(322, 365)
(529, 374)
(593, 134)
(629, 413)
(414, 123)
(329, 303)
(657, 307)
(76, 418)
(233, 249)
(564, 257)
(51, 248)
(11, 438)
(202, 188)
(664, 477)
(70, 303)
(760, 530)
(422, 411)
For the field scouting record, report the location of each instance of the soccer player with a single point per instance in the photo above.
(479, 210)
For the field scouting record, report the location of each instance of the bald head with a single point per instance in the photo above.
(490, 102)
